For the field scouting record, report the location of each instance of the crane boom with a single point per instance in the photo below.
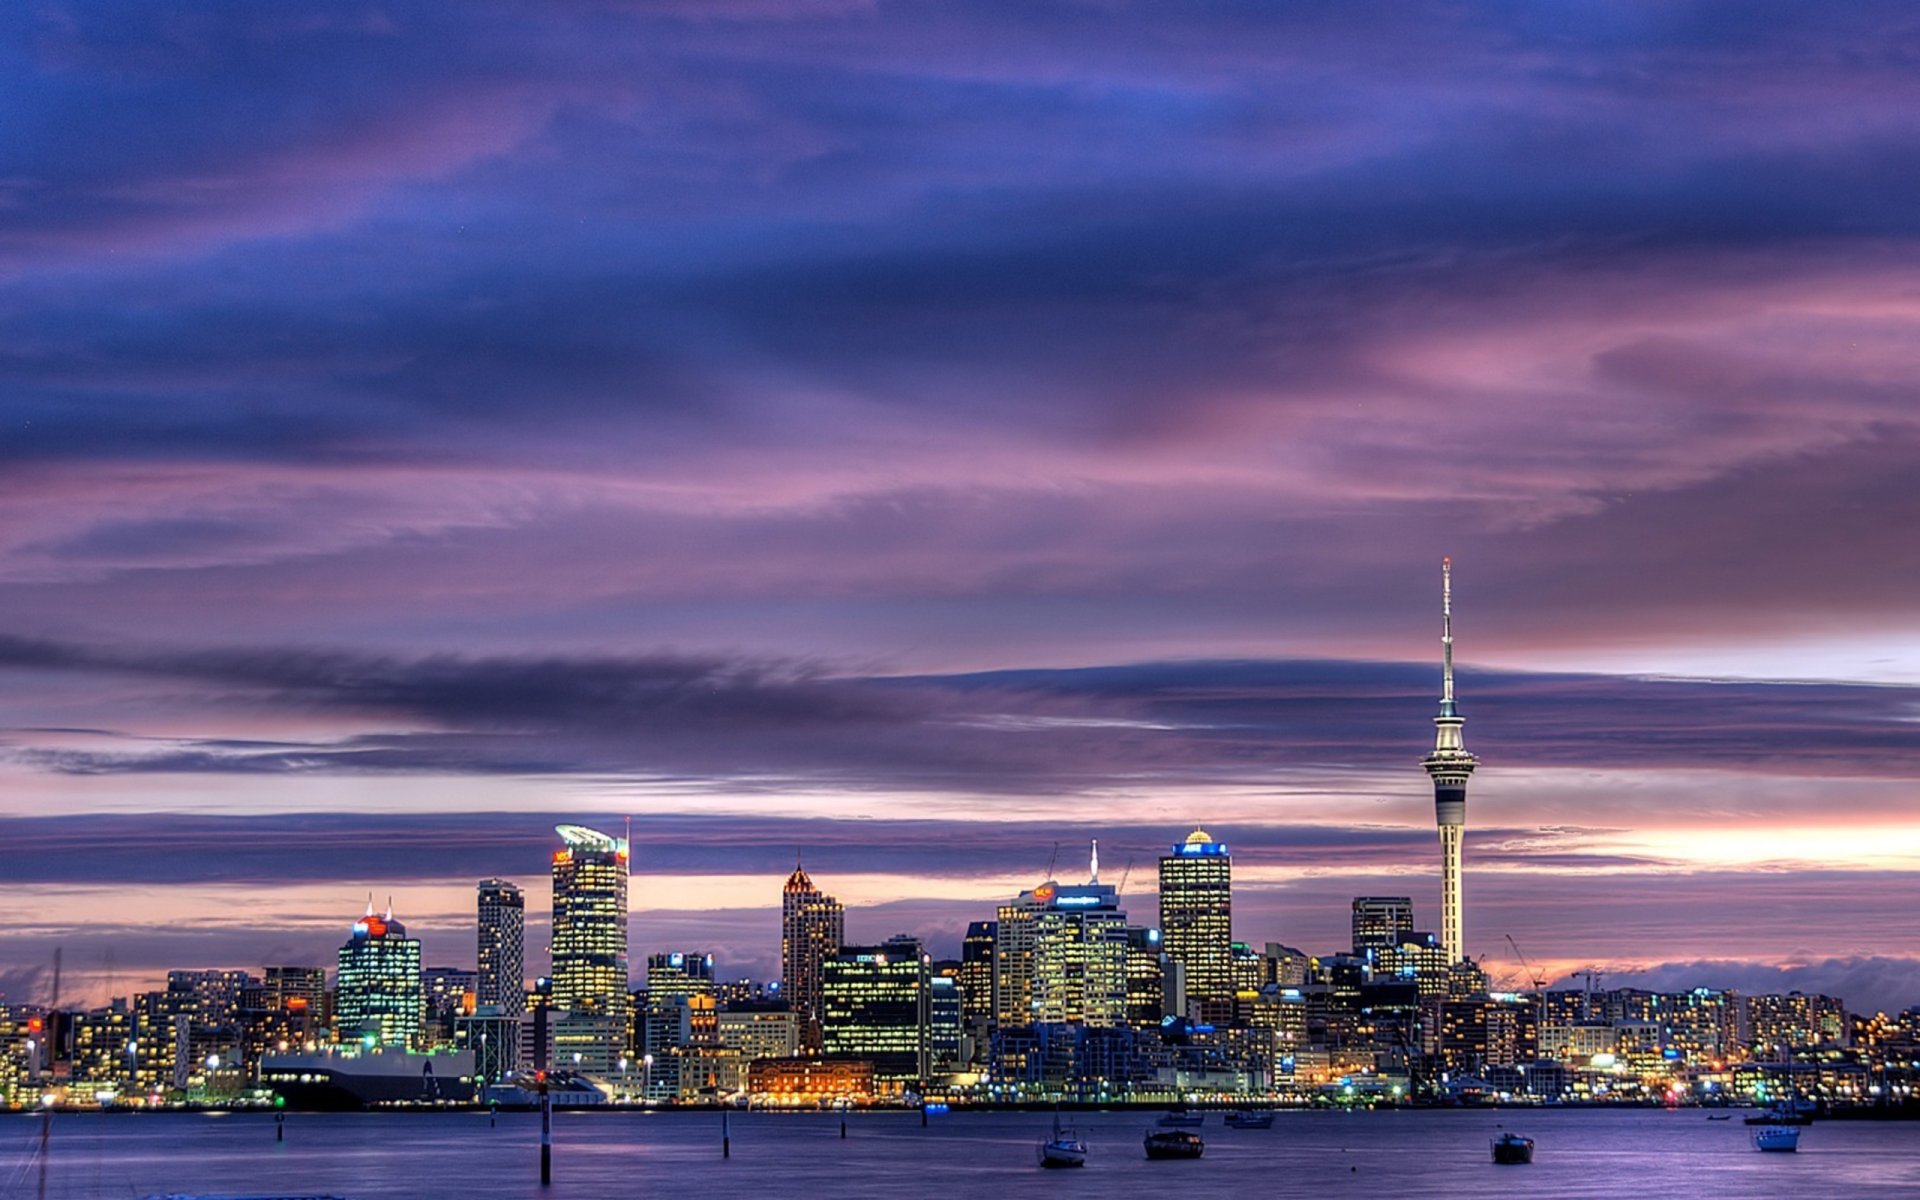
(1533, 973)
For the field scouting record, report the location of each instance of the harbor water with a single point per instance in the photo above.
(957, 1156)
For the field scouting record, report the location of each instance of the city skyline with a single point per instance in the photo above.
(918, 438)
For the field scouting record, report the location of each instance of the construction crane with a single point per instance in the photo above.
(1122, 889)
(1538, 980)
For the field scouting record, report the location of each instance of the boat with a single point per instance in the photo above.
(1182, 1117)
(1779, 1139)
(1719, 1116)
(1250, 1118)
(1511, 1148)
(1174, 1143)
(1783, 1112)
(1064, 1148)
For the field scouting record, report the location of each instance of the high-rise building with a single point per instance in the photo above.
(1146, 978)
(1196, 917)
(379, 1001)
(877, 1006)
(1449, 766)
(812, 926)
(1060, 957)
(1381, 921)
(502, 947)
(590, 923)
(976, 974)
(680, 973)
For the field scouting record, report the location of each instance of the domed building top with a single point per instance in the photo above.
(1199, 837)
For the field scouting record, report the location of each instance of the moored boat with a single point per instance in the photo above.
(1064, 1148)
(1261, 1118)
(1778, 1139)
(1511, 1148)
(1182, 1117)
(1784, 1112)
(1174, 1143)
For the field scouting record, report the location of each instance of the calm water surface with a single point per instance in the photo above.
(989, 1156)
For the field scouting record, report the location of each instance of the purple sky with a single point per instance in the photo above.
(914, 434)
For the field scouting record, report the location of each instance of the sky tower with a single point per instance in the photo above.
(1449, 765)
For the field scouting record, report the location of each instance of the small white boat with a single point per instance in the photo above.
(1778, 1139)
(1064, 1148)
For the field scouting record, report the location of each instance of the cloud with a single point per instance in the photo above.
(1869, 983)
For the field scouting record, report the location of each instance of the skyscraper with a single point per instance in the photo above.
(1060, 956)
(379, 999)
(812, 926)
(1449, 766)
(1381, 921)
(590, 923)
(1196, 917)
(502, 956)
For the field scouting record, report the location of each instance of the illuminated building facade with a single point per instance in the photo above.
(1776, 1024)
(976, 974)
(758, 1031)
(1196, 920)
(1416, 958)
(1146, 978)
(590, 924)
(812, 926)
(502, 944)
(1380, 921)
(877, 1006)
(810, 1082)
(379, 1000)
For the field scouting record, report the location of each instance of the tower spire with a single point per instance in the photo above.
(1449, 766)
(1093, 867)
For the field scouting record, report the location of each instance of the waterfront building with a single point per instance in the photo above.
(502, 972)
(812, 926)
(379, 1000)
(810, 1082)
(1381, 921)
(1449, 766)
(1196, 920)
(876, 1006)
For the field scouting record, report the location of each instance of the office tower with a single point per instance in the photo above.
(812, 926)
(759, 1029)
(1196, 918)
(876, 1005)
(502, 947)
(946, 1024)
(380, 1001)
(1380, 921)
(1146, 978)
(1413, 958)
(1449, 766)
(1060, 956)
(590, 923)
(976, 974)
